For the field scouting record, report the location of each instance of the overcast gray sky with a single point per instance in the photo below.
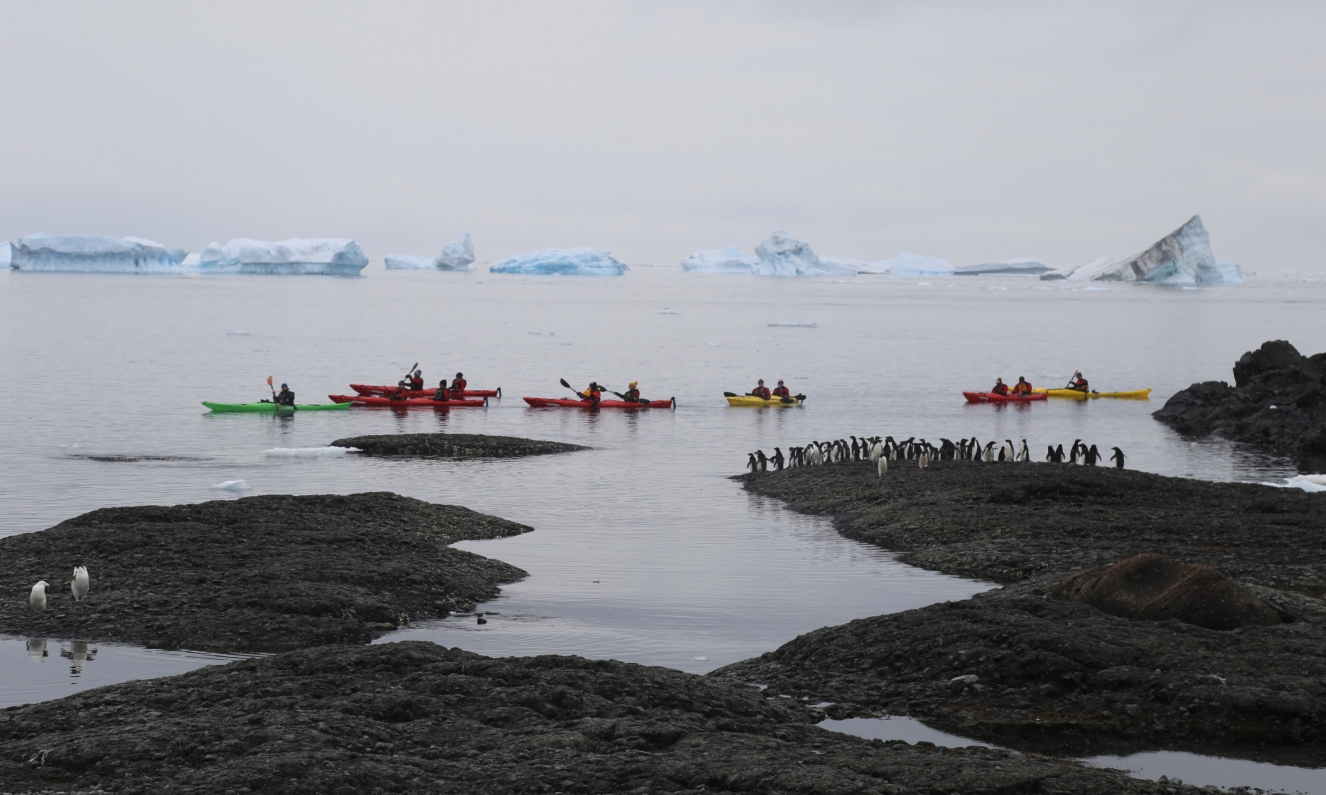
(970, 131)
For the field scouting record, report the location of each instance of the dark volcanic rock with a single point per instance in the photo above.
(416, 717)
(259, 573)
(453, 445)
(1278, 400)
(1015, 667)
(1151, 588)
(1059, 675)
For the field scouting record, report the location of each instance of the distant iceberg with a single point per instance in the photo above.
(456, 256)
(782, 255)
(730, 260)
(1182, 257)
(1028, 267)
(909, 264)
(317, 256)
(93, 254)
(566, 262)
(405, 262)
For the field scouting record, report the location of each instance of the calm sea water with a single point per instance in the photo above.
(644, 550)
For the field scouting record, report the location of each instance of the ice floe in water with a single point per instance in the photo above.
(783, 255)
(1308, 483)
(730, 260)
(580, 261)
(1182, 257)
(455, 256)
(790, 324)
(93, 254)
(909, 264)
(308, 452)
(1009, 267)
(405, 262)
(294, 257)
(231, 485)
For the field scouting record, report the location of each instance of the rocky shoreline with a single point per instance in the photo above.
(452, 445)
(1278, 401)
(264, 573)
(417, 717)
(1022, 668)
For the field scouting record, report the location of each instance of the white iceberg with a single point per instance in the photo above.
(1182, 257)
(231, 485)
(782, 255)
(93, 254)
(309, 452)
(730, 260)
(909, 264)
(316, 256)
(405, 262)
(1008, 267)
(456, 256)
(566, 262)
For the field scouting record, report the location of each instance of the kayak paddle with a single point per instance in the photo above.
(269, 386)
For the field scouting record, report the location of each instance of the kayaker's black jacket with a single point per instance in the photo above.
(632, 396)
(441, 393)
(286, 398)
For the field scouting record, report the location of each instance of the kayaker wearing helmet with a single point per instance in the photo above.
(286, 397)
(761, 391)
(416, 381)
(781, 391)
(458, 385)
(441, 393)
(593, 393)
(632, 394)
(1000, 388)
(1022, 387)
(1078, 382)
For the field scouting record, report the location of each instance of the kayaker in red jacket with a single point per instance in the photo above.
(416, 381)
(441, 393)
(1078, 382)
(1000, 388)
(761, 391)
(399, 394)
(1022, 387)
(781, 391)
(592, 394)
(458, 385)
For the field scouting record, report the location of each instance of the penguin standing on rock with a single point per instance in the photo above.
(1050, 456)
(38, 596)
(1117, 458)
(777, 459)
(882, 466)
(751, 463)
(763, 460)
(1091, 454)
(1024, 455)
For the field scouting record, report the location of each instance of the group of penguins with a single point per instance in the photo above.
(883, 450)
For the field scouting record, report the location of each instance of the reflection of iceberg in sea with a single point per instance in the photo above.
(909, 264)
(782, 255)
(93, 254)
(1008, 267)
(1182, 257)
(317, 256)
(730, 260)
(455, 256)
(566, 262)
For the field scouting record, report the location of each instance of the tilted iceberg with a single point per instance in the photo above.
(93, 254)
(909, 264)
(456, 256)
(316, 256)
(782, 255)
(1027, 267)
(730, 260)
(566, 262)
(1182, 257)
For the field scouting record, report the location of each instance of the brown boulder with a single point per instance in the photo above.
(1152, 588)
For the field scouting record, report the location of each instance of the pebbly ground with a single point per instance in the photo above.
(416, 717)
(1060, 676)
(256, 574)
(453, 445)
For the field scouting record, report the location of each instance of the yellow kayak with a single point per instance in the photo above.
(1073, 394)
(748, 400)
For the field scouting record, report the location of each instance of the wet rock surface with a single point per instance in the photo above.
(1021, 668)
(453, 445)
(1278, 401)
(417, 717)
(261, 573)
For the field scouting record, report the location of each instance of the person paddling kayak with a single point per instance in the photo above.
(442, 393)
(458, 385)
(632, 393)
(592, 394)
(285, 397)
(1022, 387)
(781, 391)
(760, 391)
(1078, 382)
(415, 381)
(1000, 388)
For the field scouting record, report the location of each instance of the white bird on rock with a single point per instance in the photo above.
(78, 583)
(38, 596)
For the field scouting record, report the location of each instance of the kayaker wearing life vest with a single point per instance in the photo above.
(1022, 387)
(1000, 388)
(632, 395)
(781, 391)
(592, 394)
(1078, 382)
(458, 385)
(285, 397)
(399, 394)
(761, 391)
(416, 381)
(441, 393)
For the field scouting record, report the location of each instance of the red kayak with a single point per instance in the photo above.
(413, 403)
(572, 403)
(385, 391)
(990, 397)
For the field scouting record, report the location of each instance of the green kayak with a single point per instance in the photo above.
(273, 408)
